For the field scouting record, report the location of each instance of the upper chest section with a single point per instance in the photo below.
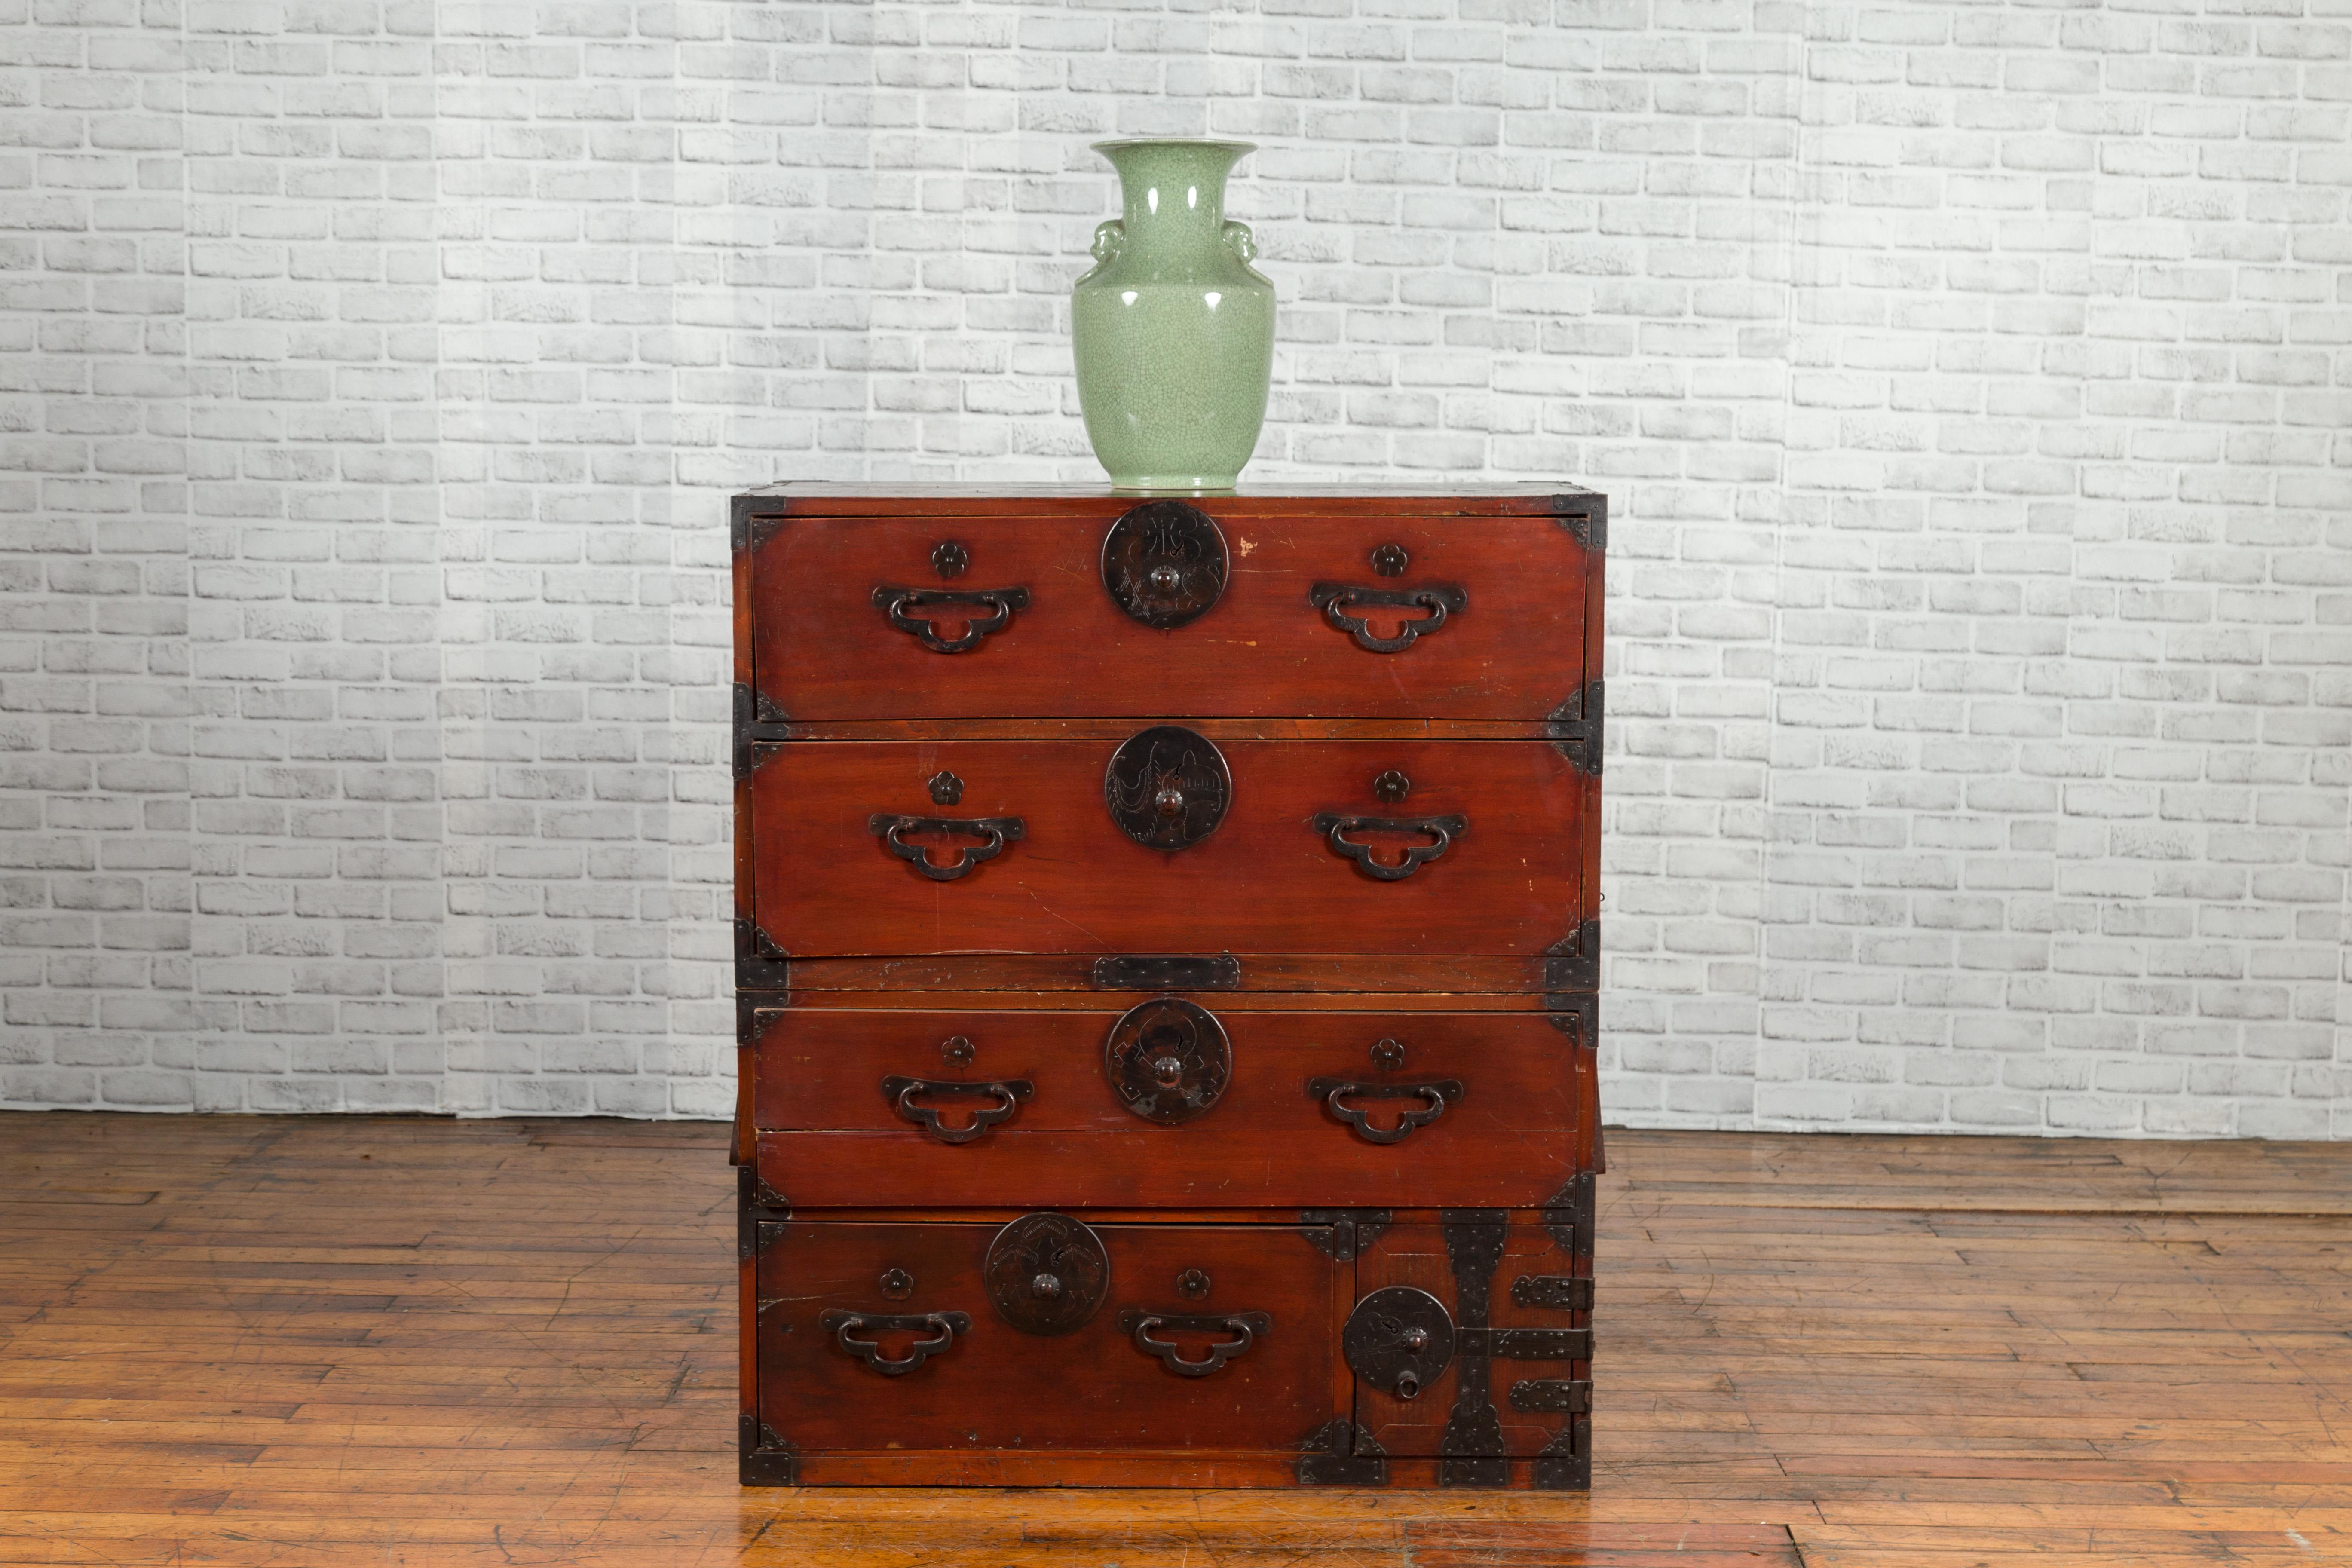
(878, 605)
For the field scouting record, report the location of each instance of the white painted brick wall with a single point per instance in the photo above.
(1971, 380)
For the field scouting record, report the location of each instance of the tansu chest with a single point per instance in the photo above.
(1167, 938)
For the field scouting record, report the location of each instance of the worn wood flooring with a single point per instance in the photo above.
(296, 1342)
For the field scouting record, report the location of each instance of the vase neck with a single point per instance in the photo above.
(1175, 187)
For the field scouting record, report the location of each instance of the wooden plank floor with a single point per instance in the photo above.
(298, 1341)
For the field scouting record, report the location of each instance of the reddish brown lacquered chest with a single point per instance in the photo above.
(1166, 943)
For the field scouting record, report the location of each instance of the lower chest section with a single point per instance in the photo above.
(1350, 1346)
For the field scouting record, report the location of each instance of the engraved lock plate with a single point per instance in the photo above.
(1164, 563)
(1167, 1059)
(1048, 1274)
(1399, 1341)
(1167, 787)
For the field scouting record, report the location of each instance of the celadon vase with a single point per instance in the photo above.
(1173, 331)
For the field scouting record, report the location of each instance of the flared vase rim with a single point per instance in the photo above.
(1122, 144)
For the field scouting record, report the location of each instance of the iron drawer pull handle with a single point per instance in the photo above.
(1246, 1327)
(1335, 1091)
(1443, 829)
(995, 832)
(944, 1328)
(895, 602)
(1334, 598)
(1007, 1093)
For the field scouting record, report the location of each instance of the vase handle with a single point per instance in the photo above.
(1108, 237)
(1240, 241)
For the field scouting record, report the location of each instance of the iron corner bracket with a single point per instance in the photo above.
(1353, 1231)
(767, 1459)
(760, 964)
(1565, 1463)
(1572, 963)
(754, 1016)
(1574, 728)
(751, 518)
(1341, 1454)
(757, 725)
(1567, 1217)
(756, 1204)
(1586, 518)
(1576, 1015)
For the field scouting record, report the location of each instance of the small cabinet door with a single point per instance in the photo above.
(1472, 1339)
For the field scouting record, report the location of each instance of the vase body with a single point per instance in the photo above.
(1172, 330)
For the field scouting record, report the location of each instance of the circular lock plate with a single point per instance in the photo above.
(1396, 1333)
(1168, 787)
(1164, 563)
(1167, 1059)
(1046, 1273)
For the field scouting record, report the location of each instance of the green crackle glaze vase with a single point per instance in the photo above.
(1173, 332)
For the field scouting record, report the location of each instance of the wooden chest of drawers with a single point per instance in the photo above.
(1166, 939)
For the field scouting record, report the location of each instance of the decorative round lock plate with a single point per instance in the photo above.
(1398, 1340)
(1167, 787)
(1046, 1273)
(1167, 1059)
(1164, 563)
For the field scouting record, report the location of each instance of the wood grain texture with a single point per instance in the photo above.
(1516, 881)
(823, 650)
(276, 1341)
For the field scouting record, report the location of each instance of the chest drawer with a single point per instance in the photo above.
(1365, 847)
(1334, 616)
(1171, 1101)
(1025, 1336)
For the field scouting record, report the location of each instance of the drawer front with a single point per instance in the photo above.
(848, 621)
(1487, 851)
(1129, 1349)
(1061, 1109)
(1516, 1295)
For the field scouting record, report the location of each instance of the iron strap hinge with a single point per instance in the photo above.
(1556, 1395)
(1525, 1344)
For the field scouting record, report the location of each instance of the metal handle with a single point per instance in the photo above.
(1008, 1094)
(1434, 1097)
(1244, 1328)
(1439, 599)
(895, 602)
(944, 1328)
(995, 832)
(1336, 828)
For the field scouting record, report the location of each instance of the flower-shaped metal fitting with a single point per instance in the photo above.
(1388, 1055)
(957, 1050)
(949, 559)
(1193, 1284)
(898, 1284)
(1392, 787)
(946, 788)
(1390, 560)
